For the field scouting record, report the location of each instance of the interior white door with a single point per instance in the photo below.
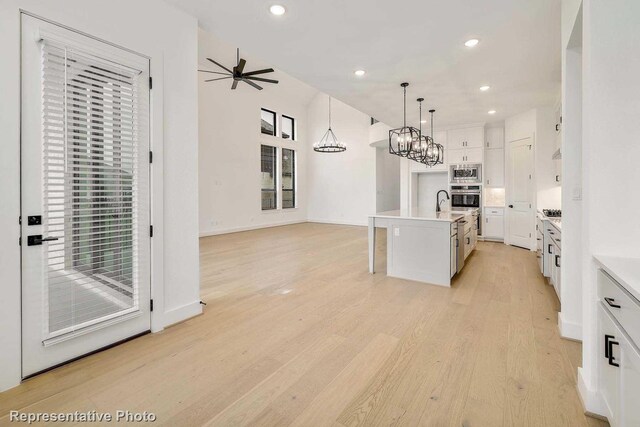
(520, 218)
(85, 195)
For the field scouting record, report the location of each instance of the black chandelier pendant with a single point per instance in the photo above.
(403, 141)
(421, 145)
(434, 154)
(329, 143)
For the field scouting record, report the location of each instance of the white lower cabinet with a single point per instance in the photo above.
(493, 227)
(618, 355)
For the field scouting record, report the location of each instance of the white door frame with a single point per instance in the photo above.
(532, 183)
(156, 180)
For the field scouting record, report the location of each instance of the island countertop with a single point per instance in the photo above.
(420, 214)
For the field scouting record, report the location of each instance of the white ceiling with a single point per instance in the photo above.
(322, 42)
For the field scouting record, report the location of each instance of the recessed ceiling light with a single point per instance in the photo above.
(485, 88)
(277, 9)
(423, 121)
(471, 43)
(491, 111)
(360, 73)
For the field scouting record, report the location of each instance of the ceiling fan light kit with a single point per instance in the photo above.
(238, 75)
(329, 143)
(402, 141)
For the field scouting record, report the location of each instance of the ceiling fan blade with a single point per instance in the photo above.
(221, 78)
(260, 79)
(249, 82)
(240, 66)
(235, 84)
(214, 72)
(220, 65)
(264, 71)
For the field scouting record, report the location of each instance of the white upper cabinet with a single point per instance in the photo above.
(456, 139)
(495, 138)
(494, 168)
(455, 157)
(473, 155)
(475, 137)
(465, 138)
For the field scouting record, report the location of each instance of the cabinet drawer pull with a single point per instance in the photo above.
(556, 261)
(611, 302)
(549, 248)
(606, 345)
(612, 360)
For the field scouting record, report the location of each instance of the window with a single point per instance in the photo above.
(268, 169)
(268, 122)
(288, 127)
(288, 178)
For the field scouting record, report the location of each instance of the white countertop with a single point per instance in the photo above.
(625, 270)
(422, 214)
(555, 221)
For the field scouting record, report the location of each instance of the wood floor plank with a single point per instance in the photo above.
(297, 332)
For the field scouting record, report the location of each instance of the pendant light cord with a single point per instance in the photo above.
(405, 106)
(420, 132)
(431, 125)
(329, 112)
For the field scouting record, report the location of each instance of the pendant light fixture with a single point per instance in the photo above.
(329, 143)
(435, 152)
(402, 141)
(422, 143)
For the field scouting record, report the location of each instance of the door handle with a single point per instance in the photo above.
(610, 302)
(37, 240)
(511, 206)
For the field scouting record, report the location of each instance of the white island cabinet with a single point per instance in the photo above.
(618, 359)
(420, 244)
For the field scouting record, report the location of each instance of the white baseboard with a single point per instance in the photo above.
(569, 330)
(247, 228)
(182, 313)
(591, 399)
(337, 222)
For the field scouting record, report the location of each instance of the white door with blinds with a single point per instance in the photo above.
(85, 195)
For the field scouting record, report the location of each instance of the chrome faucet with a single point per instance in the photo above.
(438, 202)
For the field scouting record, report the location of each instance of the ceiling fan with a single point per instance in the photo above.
(238, 74)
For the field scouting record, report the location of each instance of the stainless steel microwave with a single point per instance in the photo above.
(463, 174)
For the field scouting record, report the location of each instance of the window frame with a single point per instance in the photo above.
(294, 178)
(275, 180)
(275, 122)
(293, 127)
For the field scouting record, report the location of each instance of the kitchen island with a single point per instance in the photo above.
(423, 244)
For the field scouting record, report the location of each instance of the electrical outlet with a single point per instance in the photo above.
(396, 231)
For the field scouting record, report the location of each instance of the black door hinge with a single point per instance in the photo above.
(20, 220)
(151, 231)
(151, 305)
(150, 156)
(150, 82)
(20, 241)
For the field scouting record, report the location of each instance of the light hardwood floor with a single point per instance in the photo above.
(297, 332)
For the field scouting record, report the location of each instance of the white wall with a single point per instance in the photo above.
(230, 139)
(538, 123)
(387, 180)
(341, 186)
(610, 152)
(548, 192)
(570, 317)
(428, 186)
(169, 37)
